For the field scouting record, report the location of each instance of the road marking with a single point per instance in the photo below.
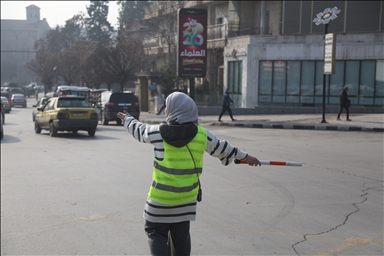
(348, 243)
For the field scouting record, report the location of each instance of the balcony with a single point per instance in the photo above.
(217, 35)
(217, 31)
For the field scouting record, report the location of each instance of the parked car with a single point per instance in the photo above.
(66, 114)
(39, 87)
(2, 110)
(39, 104)
(1, 126)
(7, 104)
(114, 102)
(5, 94)
(18, 99)
(14, 90)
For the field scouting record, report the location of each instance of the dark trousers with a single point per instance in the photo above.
(166, 239)
(341, 110)
(161, 109)
(226, 108)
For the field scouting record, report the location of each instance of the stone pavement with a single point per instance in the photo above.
(366, 122)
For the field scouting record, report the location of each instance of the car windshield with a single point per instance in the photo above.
(72, 103)
(18, 97)
(43, 101)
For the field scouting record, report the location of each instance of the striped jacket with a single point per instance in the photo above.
(161, 213)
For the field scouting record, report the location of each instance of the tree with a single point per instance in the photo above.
(44, 67)
(164, 31)
(45, 62)
(131, 12)
(123, 57)
(97, 25)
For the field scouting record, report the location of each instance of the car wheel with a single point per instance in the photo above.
(91, 132)
(118, 121)
(37, 128)
(103, 119)
(52, 130)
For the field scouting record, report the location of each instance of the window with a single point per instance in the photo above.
(301, 82)
(265, 88)
(293, 81)
(367, 82)
(235, 79)
(336, 82)
(352, 68)
(319, 76)
(50, 105)
(379, 87)
(279, 81)
(307, 82)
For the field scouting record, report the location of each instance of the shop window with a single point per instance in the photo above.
(379, 83)
(302, 82)
(265, 82)
(279, 81)
(307, 85)
(336, 83)
(235, 80)
(367, 82)
(352, 68)
(293, 81)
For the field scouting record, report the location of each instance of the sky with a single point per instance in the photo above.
(56, 12)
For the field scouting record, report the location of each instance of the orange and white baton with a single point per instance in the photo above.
(267, 162)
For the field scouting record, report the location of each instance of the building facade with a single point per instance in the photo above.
(284, 66)
(272, 53)
(17, 45)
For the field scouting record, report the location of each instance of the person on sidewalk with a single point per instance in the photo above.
(179, 146)
(226, 105)
(163, 106)
(344, 103)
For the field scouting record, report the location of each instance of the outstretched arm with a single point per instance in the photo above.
(223, 150)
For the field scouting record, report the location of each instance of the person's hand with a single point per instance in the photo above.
(252, 161)
(122, 115)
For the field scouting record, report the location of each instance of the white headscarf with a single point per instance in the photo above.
(180, 108)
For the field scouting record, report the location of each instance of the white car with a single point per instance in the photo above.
(39, 87)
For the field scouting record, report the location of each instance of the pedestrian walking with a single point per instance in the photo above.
(344, 103)
(226, 102)
(37, 94)
(163, 106)
(179, 146)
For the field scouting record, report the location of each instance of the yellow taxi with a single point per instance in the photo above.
(70, 114)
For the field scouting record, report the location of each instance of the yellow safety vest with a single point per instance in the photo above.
(175, 179)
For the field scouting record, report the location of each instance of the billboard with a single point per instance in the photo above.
(192, 42)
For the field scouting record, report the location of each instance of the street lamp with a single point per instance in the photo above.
(324, 18)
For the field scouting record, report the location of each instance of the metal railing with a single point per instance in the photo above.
(217, 31)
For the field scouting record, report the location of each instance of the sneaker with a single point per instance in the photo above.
(349, 120)
(220, 121)
(338, 119)
(234, 120)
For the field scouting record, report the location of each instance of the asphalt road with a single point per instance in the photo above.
(80, 195)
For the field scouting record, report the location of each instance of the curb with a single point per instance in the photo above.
(301, 126)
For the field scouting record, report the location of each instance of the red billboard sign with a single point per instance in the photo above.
(192, 42)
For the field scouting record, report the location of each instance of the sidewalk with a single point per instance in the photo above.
(360, 122)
